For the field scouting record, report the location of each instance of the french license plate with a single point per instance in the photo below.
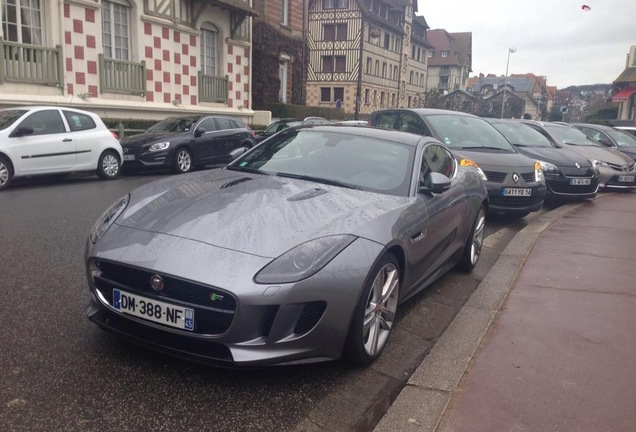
(129, 157)
(523, 192)
(153, 310)
(626, 179)
(580, 181)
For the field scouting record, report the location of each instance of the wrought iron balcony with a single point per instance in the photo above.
(30, 64)
(213, 88)
(120, 76)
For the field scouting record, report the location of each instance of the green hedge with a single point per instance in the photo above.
(113, 123)
(280, 110)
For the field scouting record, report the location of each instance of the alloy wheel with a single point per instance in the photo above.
(478, 237)
(110, 165)
(184, 161)
(4, 174)
(379, 314)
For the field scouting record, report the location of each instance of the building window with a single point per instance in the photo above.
(335, 4)
(116, 29)
(377, 67)
(282, 76)
(381, 99)
(284, 13)
(334, 63)
(431, 53)
(411, 77)
(444, 70)
(366, 96)
(383, 70)
(178, 10)
(209, 50)
(369, 65)
(443, 82)
(387, 41)
(444, 53)
(325, 94)
(335, 32)
(338, 94)
(22, 21)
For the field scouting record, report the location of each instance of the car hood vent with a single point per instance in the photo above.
(234, 182)
(311, 193)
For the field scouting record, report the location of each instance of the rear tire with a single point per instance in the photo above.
(6, 173)
(375, 313)
(183, 161)
(474, 243)
(108, 165)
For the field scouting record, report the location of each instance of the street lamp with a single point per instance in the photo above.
(503, 104)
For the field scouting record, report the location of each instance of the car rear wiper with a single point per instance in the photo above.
(245, 169)
(331, 182)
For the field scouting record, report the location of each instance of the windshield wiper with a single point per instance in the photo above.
(331, 182)
(521, 145)
(484, 148)
(245, 169)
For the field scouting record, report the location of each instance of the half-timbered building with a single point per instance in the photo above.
(128, 58)
(364, 55)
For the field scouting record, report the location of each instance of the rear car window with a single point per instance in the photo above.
(8, 117)
(78, 121)
(224, 123)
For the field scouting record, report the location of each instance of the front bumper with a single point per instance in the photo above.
(498, 203)
(271, 324)
(560, 188)
(614, 179)
(138, 157)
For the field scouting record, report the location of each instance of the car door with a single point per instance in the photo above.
(87, 138)
(230, 136)
(205, 144)
(432, 236)
(47, 146)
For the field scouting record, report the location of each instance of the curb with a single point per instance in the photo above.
(421, 405)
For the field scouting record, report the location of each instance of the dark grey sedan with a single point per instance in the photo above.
(568, 175)
(515, 182)
(610, 137)
(301, 249)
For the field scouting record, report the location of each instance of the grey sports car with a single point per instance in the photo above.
(300, 250)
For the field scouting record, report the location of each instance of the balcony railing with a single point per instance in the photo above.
(213, 88)
(30, 63)
(121, 76)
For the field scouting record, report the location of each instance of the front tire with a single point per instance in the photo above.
(183, 161)
(474, 243)
(375, 313)
(108, 166)
(6, 173)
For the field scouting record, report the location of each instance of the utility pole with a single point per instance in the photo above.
(503, 104)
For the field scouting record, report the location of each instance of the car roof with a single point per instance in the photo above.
(383, 134)
(427, 111)
(593, 125)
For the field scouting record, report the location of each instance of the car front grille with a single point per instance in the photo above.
(576, 172)
(214, 308)
(566, 188)
(528, 177)
(495, 177)
(311, 313)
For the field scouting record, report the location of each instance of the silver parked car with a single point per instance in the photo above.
(301, 249)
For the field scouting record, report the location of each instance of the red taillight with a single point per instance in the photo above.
(114, 134)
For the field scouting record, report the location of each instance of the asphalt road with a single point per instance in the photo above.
(61, 373)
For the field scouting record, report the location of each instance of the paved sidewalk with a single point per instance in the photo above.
(559, 354)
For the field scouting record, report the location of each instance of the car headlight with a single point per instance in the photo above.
(538, 172)
(468, 162)
(107, 219)
(596, 165)
(549, 168)
(303, 260)
(159, 146)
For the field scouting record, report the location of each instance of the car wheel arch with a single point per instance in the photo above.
(9, 160)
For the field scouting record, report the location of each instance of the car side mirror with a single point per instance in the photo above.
(199, 132)
(21, 131)
(234, 154)
(435, 183)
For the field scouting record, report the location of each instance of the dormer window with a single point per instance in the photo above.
(445, 53)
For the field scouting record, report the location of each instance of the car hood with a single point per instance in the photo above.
(603, 154)
(556, 156)
(146, 138)
(256, 214)
(489, 159)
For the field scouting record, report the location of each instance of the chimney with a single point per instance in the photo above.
(631, 57)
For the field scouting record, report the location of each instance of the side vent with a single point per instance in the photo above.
(234, 182)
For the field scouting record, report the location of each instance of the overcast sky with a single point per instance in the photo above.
(554, 38)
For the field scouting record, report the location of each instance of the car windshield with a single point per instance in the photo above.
(173, 124)
(571, 136)
(466, 133)
(623, 139)
(342, 159)
(8, 117)
(521, 135)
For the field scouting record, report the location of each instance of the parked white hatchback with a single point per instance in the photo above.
(55, 140)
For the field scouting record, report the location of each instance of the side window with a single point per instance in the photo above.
(78, 121)
(237, 124)
(208, 124)
(410, 122)
(224, 124)
(438, 159)
(385, 120)
(44, 122)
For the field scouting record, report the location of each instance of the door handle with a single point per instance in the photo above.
(67, 140)
(417, 236)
